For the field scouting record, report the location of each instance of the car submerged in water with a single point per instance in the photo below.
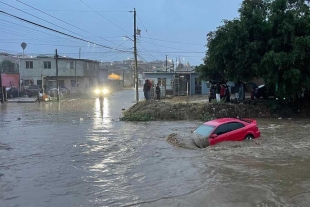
(225, 129)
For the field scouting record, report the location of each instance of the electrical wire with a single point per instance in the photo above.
(148, 33)
(41, 19)
(103, 16)
(185, 43)
(59, 32)
(63, 21)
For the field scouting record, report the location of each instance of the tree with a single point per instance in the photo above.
(269, 39)
(8, 67)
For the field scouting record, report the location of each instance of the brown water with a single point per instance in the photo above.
(51, 158)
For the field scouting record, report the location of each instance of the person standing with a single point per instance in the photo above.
(158, 91)
(218, 92)
(146, 89)
(237, 85)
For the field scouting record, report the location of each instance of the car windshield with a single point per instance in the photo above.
(204, 130)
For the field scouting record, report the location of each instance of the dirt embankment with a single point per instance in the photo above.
(158, 110)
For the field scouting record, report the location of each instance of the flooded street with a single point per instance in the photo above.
(72, 154)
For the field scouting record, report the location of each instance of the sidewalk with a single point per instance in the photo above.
(22, 100)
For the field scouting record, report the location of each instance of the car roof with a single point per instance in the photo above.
(217, 122)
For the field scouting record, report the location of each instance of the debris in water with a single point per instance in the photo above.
(19, 118)
(175, 140)
(81, 119)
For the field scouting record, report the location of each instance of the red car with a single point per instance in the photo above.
(225, 129)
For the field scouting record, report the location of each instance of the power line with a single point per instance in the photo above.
(147, 51)
(185, 43)
(62, 20)
(40, 19)
(103, 16)
(142, 58)
(148, 33)
(67, 10)
(31, 32)
(78, 38)
(127, 4)
(165, 46)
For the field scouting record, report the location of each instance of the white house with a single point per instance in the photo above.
(74, 74)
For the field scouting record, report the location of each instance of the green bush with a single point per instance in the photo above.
(137, 117)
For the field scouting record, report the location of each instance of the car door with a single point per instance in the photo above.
(235, 131)
(221, 132)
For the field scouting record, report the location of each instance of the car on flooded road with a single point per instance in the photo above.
(12, 92)
(225, 129)
(100, 92)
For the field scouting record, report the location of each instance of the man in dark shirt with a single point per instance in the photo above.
(146, 89)
(158, 91)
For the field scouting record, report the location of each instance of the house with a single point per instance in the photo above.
(178, 83)
(74, 74)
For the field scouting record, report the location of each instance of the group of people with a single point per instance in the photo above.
(147, 90)
(222, 92)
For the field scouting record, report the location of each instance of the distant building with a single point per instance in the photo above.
(178, 83)
(74, 74)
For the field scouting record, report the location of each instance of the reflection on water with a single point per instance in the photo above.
(48, 160)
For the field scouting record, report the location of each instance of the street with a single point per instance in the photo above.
(74, 154)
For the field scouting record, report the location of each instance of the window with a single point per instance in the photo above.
(26, 82)
(47, 64)
(29, 65)
(159, 81)
(221, 129)
(164, 82)
(71, 65)
(91, 81)
(234, 126)
(204, 130)
(74, 84)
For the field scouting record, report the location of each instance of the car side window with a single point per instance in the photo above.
(221, 129)
(234, 126)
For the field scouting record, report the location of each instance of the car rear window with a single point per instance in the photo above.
(204, 130)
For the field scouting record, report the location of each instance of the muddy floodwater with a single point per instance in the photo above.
(73, 154)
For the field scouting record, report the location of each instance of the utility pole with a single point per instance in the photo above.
(135, 53)
(166, 63)
(1, 90)
(42, 78)
(56, 57)
(75, 85)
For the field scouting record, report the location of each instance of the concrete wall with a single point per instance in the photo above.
(154, 77)
(83, 68)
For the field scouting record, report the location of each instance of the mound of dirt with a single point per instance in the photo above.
(158, 110)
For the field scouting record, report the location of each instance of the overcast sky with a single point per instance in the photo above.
(176, 28)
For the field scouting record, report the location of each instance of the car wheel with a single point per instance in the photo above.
(249, 136)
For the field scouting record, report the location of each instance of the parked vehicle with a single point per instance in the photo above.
(32, 90)
(62, 92)
(225, 129)
(12, 92)
(263, 91)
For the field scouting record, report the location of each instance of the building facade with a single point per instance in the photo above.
(178, 83)
(74, 74)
